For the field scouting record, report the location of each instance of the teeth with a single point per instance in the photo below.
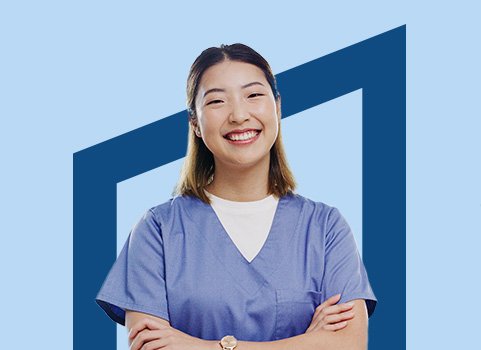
(242, 137)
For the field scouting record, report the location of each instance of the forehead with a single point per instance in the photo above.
(231, 74)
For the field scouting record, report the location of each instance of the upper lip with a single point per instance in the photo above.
(239, 131)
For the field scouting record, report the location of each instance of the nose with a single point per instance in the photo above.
(239, 113)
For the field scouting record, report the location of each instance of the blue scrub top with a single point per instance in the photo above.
(180, 264)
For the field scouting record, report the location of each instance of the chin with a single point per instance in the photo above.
(246, 162)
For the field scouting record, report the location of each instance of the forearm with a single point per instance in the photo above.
(318, 340)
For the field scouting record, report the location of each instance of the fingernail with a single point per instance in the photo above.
(350, 303)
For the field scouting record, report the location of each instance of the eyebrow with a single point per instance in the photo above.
(223, 90)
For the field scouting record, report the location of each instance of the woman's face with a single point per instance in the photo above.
(237, 113)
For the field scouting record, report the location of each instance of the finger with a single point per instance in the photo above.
(331, 301)
(311, 326)
(131, 336)
(145, 337)
(322, 325)
(327, 310)
(339, 317)
(144, 323)
(322, 319)
(162, 340)
(336, 309)
(318, 319)
(139, 326)
(154, 345)
(137, 342)
(142, 338)
(335, 327)
(335, 297)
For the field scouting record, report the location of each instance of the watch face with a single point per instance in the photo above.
(228, 341)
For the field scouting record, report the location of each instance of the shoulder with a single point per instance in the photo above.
(173, 208)
(314, 208)
(316, 217)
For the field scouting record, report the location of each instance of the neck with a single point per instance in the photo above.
(240, 184)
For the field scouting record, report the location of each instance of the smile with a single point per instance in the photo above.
(243, 138)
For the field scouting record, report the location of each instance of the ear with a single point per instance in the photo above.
(278, 106)
(195, 126)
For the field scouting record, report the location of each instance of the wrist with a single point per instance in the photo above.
(211, 345)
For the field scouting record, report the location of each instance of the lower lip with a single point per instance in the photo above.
(244, 142)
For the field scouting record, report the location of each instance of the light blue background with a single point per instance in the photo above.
(75, 74)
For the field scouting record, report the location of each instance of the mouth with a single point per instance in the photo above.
(243, 136)
(246, 136)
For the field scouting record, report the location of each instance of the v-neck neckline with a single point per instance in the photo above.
(222, 230)
(248, 276)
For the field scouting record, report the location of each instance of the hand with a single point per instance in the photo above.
(331, 317)
(149, 334)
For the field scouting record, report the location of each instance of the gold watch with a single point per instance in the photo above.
(229, 342)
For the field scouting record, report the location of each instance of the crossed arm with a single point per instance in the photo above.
(147, 332)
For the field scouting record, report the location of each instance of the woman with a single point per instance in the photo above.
(236, 253)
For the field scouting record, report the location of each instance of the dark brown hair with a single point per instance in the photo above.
(198, 168)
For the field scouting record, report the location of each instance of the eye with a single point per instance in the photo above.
(214, 101)
(255, 95)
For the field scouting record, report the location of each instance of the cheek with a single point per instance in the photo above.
(263, 112)
(262, 108)
(211, 122)
(270, 118)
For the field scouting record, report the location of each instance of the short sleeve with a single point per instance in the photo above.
(345, 273)
(136, 280)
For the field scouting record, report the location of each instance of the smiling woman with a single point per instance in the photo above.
(236, 257)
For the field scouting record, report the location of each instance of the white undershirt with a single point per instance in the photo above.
(247, 223)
